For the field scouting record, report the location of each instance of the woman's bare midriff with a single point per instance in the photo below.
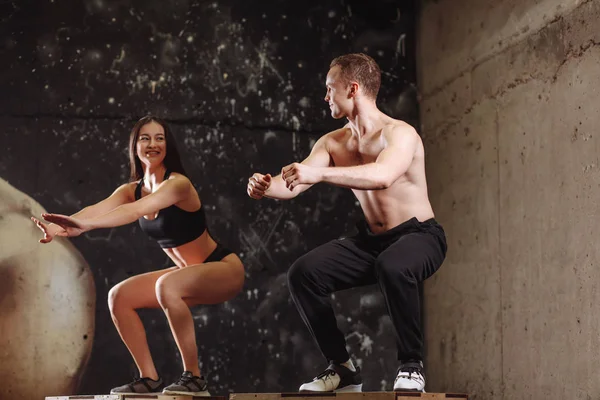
(194, 252)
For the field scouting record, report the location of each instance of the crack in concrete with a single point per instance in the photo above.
(571, 54)
(472, 67)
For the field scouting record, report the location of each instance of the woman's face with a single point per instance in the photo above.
(151, 146)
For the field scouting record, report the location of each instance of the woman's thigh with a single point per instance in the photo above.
(138, 291)
(208, 283)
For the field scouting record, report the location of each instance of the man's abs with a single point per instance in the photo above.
(385, 209)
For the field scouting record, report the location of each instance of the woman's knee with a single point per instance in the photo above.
(165, 291)
(116, 296)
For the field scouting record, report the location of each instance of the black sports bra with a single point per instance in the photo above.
(173, 226)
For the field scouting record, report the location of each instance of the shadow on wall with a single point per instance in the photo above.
(47, 304)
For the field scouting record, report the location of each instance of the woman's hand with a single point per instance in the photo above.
(49, 231)
(71, 227)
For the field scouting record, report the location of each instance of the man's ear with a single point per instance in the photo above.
(353, 89)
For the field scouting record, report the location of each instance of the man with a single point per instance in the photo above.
(399, 244)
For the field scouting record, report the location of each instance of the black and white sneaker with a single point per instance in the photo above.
(140, 386)
(410, 377)
(336, 378)
(188, 385)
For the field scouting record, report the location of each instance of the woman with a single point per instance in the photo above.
(164, 201)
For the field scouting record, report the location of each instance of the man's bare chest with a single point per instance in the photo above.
(354, 152)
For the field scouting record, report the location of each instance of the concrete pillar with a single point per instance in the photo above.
(510, 109)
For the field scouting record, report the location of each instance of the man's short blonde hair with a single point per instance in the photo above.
(360, 68)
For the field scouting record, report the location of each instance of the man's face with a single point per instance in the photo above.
(337, 93)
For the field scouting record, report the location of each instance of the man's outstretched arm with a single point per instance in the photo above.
(260, 185)
(391, 164)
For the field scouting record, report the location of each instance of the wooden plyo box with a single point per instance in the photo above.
(135, 397)
(277, 396)
(348, 396)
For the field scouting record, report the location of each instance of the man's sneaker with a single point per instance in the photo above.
(410, 377)
(140, 385)
(336, 378)
(188, 385)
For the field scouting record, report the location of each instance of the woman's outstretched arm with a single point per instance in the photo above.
(122, 195)
(168, 193)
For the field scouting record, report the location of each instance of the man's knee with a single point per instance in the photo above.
(295, 272)
(394, 270)
(300, 273)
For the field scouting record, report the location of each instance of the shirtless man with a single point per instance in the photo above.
(399, 244)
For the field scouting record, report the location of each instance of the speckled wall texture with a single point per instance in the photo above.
(242, 84)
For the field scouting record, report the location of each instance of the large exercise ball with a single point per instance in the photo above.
(47, 304)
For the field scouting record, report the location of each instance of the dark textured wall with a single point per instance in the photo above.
(242, 84)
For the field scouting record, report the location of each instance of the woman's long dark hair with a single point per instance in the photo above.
(172, 159)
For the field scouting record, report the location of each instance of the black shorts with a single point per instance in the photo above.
(219, 253)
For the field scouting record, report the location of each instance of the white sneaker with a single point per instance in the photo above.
(336, 378)
(410, 377)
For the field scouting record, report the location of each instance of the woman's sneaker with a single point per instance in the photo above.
(336, 378)
(140, 385)
(188, 385)
(410, 377)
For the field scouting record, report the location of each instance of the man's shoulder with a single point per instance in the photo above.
(337, 134)
(399, 127)
(400, 133)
